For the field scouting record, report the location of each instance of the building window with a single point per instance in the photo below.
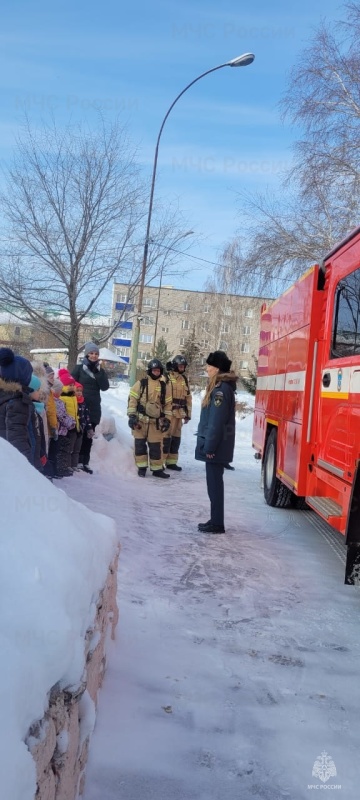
(185, 324)
(146, 338)
(143, 355)
(206, 309)
(122, 351)
(121, 298)
(148, 321)
(167, 313)
(225, 328)
(227, 311)
(246, 330)
(148, 301)
(204, 343)
(244, 364)
(223, 345)
(165, 330)
(249, 312)
(17, 331)
(186, 306)
(245, 348)
(182, 341)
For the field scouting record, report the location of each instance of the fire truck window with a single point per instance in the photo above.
(346, 329)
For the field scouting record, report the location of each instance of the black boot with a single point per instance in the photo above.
(160, 473)
(141, 472)
(228, 466)
(87, 469)
(210, 528)
(174, 467)
(203, 525)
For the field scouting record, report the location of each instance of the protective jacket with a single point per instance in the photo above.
(181, 395)
(150, 399)
(94, 380)
(216, 431)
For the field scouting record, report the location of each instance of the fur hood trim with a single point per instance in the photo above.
(10, 386)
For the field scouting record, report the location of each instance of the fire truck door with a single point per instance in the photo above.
(354, 419)
(333, 419)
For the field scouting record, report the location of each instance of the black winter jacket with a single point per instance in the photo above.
(94, 379)
(216, 431)
(17, 418)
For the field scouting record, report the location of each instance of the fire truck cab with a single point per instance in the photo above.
(307, 405)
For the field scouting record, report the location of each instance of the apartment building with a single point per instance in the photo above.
(214, 321)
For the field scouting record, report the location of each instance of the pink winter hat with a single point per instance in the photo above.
(65, 377)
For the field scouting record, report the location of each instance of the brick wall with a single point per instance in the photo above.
(59, 741)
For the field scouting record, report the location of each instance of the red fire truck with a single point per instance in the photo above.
(307, 406)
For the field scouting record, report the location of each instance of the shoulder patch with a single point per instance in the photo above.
(218, 398)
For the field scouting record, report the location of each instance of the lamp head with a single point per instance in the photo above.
(241, 61)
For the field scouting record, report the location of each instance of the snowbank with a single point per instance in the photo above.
(54, 562)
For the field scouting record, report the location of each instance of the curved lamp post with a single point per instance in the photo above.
(240, 61)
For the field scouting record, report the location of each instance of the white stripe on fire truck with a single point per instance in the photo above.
(282, 382)
(343, 381)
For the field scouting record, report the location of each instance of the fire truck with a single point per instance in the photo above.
(307, 406)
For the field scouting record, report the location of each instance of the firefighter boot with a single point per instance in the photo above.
(142, 472)
(160, 473)
(175, 467)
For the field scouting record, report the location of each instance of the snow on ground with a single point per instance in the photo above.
(54, 559)
(237, 656)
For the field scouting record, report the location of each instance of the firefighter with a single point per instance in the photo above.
(149, 412)
(216, 434)
(181, 410)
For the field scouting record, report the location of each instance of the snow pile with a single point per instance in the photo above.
(54, 559)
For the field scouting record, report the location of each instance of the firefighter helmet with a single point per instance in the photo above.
(177, 362)
(154, 364)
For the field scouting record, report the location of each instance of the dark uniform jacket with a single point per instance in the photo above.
(17, 418)
(216, 431)
(93, 379)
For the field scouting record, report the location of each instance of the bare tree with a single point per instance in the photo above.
(319, 201)
(74, 205)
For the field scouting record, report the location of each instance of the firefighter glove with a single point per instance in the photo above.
(186, 420)
(164, 424)
(133, 421)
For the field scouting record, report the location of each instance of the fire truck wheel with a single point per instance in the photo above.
(298, 502)
(276, 493)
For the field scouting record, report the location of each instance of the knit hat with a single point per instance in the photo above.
(34, 383)
(90, 347)
(14, 368)
(65, 377)
(78, 385)
(220, 360)
(57, 386)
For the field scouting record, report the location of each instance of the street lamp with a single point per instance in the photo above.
(240, 61)
(183, 236)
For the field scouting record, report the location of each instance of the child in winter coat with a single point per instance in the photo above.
(40, 457)
(66, 425)
(86, 428)
(69, 399)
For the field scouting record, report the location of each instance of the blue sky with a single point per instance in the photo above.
(225, 134)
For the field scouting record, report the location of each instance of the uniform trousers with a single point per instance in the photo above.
(215, 489)
(148, 446)
(172, 441)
